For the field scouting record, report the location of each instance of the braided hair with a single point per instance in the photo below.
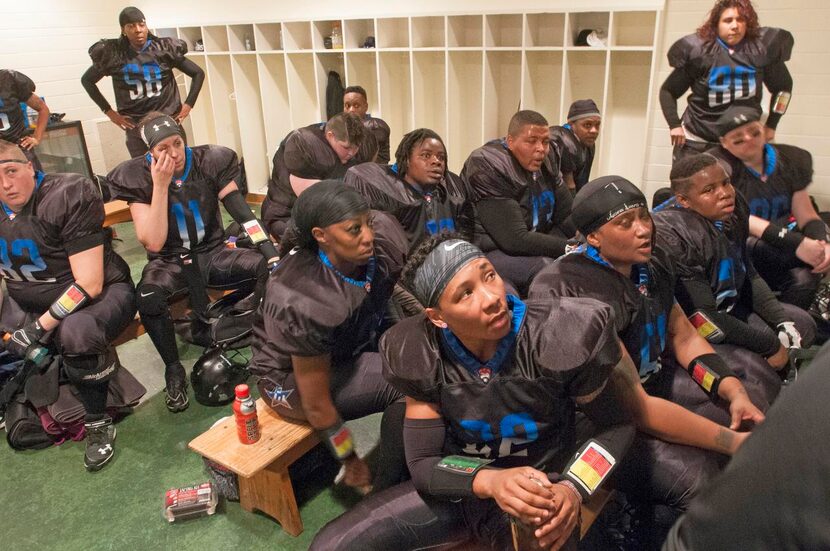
(408, 143)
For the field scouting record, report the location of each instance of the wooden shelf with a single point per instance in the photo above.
(463, 75)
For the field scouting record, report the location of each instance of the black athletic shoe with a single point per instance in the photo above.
(100, 437)
(176, 389)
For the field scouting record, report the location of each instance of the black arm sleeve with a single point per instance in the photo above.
(674, 86)
(240, 211)
(778, 79)
(615, 428)
(423, 441)
(89, 82)
(503, 220)
(765, 304)
(698, 295)
(197, 74)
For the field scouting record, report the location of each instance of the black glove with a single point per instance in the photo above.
(25, 344)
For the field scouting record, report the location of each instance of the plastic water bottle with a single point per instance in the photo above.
(336, 36)
(244, 410)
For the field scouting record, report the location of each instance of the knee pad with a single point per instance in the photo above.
(90, 369)
(151, 300)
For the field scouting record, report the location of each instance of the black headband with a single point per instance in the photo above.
(601, 200)
(159, 128)
(439, 267)
(130, 15)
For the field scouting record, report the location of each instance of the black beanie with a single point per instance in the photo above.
(582, 108)
(325, 203)
(130, 15)
(601, 200)
(735, 116)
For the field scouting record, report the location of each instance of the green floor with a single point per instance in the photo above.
(49, 501)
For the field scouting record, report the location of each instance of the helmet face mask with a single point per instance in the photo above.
(214, 376)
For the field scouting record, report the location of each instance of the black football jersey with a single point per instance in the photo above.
(15, 88)
(641, 303)
(713, 252)
(444, 207)
(518, 408)
(305, 153)
(143, 80)
(380, 130)
(721, 77)
(194, 221)
(491, 171)
(310, 309)
(575, 157)
(65, 216)
(787, 169)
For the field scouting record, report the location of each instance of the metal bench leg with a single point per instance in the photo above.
(271, 492)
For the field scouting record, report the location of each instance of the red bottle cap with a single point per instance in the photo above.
(242, 391)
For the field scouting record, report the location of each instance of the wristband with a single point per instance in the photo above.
(338, 439)
(782, 238)
(591, 466)
(453, 475)
(705, 327)
(816, 229)
(72, 299)
(255, 231)
(782, 101)
(708, 370)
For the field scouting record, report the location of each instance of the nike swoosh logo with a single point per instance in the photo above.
(147, 294)
(451, 247)
(183, 256)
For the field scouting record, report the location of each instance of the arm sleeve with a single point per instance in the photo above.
(764, 302)
(88, 81)
(696, 295)
(197, 74)
(673, 87)
(423, 441)
(777, 79)
(503, 220)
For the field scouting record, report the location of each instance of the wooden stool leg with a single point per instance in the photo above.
(270, 491)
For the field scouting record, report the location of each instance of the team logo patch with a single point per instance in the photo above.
(279, 397)
(704, 326)
(485, 373)
(342, 442)
(592, 466)
(255, 231)
(703, 376)
(461, 465)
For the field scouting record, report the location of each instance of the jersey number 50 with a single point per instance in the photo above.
(146, 79)
(19, 249)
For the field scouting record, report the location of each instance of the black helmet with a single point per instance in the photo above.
(214, 377)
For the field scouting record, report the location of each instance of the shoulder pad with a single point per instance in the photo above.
(778, 44)
(685, 51)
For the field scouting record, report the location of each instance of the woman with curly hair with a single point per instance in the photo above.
(726, 60)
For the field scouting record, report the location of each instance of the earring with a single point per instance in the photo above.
(442, 325)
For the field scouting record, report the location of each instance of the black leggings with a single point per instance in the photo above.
(401, 519)
(785, 273)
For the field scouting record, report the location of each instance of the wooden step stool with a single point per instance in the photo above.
(262, 467)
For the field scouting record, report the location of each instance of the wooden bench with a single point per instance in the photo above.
(592, 508)
(262, 468)
(116, 212)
